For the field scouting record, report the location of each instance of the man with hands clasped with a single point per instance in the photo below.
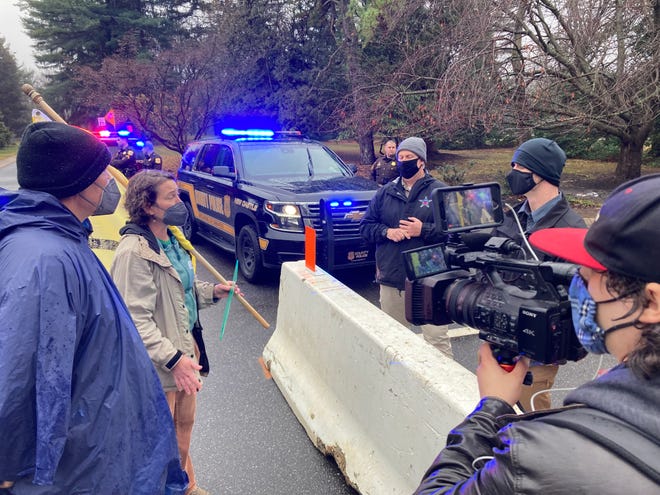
(606, 438)
(400, 217)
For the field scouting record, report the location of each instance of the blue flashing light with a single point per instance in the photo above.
(254, 139)
(334, 204)
(254, 133)
(347, 203)
(123, 133)
(139, 144)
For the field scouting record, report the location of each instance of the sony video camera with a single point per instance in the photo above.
(519, 306)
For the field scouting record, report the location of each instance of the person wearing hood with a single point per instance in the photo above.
(156, 278)
(536, 168)
(399, 218)
(606, 438)
(81, 407)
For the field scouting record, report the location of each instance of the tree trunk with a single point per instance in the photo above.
(366, 142)
(630, 158)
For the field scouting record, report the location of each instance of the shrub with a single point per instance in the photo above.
(452, 174)
(5, 135)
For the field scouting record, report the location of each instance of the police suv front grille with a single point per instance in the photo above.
(345, 219)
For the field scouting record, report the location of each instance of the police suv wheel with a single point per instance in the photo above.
(249, 254)
(189, 228)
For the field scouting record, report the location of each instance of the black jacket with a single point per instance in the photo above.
(386, 208)
(607, 443)
(125, 161)
(560, 215)
(384, 170)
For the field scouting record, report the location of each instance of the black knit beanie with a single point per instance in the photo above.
(59, 159)
(542, 156)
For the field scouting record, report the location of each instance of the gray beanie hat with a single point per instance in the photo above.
(543, 157)
(414, 144)
(59, 159)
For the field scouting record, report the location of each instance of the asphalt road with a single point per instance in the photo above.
(246, 439)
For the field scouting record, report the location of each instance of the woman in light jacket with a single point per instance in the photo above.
(156, 279)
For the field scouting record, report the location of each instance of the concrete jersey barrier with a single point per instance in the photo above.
(366, 389)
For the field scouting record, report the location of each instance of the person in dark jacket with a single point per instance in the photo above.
(606, 438)
(125, 160)
(536, 169)
(384, 169)
(151, 160)
(81, 407)
(400, 217)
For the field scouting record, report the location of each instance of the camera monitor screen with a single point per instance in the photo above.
(424, 261)
(469, 207)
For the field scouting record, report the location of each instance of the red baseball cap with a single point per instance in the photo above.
(624, 237)
(565, 243)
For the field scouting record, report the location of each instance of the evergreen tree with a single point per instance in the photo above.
(13, 104)
(71, 34)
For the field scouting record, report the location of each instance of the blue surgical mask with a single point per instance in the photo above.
(583, 306)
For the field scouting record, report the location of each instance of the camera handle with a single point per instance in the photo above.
(506, 360)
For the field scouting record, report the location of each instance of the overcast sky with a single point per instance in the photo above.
(12, 30)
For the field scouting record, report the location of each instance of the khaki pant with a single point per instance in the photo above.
(393, 302)
(182, 407)
(544, 379)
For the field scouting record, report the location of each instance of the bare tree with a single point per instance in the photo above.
(561, 65)
(174, 96)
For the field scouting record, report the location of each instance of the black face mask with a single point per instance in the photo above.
(520, 182)
(407, 168)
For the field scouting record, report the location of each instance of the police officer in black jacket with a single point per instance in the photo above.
(125, 160)
(152, 160)
(400, 217)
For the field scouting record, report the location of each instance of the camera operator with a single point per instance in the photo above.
(606, 440)
(536, 169)
(400, 217)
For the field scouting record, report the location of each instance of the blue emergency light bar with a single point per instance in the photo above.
(247, 133)
(123, 133)
(335, 204)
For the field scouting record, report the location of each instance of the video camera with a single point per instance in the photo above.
(519, 306)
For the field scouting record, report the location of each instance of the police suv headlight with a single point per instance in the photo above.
(286, 216)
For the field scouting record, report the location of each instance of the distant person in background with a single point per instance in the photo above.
(155, 276)
(384, 169)
(400, 217)
(125, 160)
(151, 160)
(536, 168)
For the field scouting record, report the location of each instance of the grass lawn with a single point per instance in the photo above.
(586, 183)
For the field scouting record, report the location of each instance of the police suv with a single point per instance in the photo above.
(253, 192)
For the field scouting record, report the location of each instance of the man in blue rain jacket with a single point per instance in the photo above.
(81, 407)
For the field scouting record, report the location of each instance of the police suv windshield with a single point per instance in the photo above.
(297, 160)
